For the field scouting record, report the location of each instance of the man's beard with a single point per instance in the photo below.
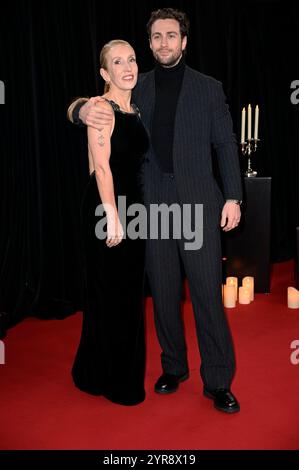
(169, 61)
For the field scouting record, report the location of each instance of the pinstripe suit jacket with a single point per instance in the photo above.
(202, 121)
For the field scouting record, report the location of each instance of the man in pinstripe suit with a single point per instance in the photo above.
(186, 114)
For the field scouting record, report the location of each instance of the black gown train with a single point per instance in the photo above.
(110, 360)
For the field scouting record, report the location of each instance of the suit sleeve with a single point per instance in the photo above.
(74, 109)
(224, 142)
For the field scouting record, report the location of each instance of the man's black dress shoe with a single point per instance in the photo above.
(224, 400)
(169, 383)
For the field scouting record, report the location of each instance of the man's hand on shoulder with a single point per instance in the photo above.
(94, 115)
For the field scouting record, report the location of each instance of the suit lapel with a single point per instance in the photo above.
(147, 100)
(182, 115)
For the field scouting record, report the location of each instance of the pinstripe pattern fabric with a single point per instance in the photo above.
(202, 120)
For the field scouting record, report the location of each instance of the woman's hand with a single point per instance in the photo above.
(115, 231)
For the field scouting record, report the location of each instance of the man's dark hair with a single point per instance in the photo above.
(169, 14)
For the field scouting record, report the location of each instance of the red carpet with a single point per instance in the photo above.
(41, 409)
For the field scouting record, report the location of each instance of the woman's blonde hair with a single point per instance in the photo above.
(103, 55)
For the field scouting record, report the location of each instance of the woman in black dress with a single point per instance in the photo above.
(110, 359)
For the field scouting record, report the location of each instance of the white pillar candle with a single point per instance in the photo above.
(243, 126)
(248, 282)
(249, 122)
(229, 296)
(233, 281)
(256, 122)
(244, 295)
(293, 297)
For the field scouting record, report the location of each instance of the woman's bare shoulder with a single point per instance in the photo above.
(104, 104)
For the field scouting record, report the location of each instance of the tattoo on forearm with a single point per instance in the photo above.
(101, 138)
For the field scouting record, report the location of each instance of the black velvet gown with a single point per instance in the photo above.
(110, 360)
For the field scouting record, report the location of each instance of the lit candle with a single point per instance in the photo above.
(229, 296)
(249, 122)
(244, 295)
(233, 281)
(248, 282)
(256, 122)
(293, 297)
(243, 126)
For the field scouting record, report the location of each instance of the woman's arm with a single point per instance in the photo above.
(99, 145)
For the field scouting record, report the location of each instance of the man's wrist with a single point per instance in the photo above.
(236, 201)
(74, 110)
(78, 109)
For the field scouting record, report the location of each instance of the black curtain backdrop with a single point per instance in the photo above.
(49, 55)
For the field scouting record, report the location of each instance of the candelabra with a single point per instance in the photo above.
(248, 148)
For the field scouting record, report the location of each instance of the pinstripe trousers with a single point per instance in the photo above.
(164, 259)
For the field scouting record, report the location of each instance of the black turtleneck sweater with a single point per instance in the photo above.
(168, 83)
